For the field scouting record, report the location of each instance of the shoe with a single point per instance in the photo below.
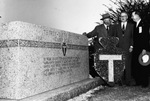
(131, 83)
(110, 84)
(144, 86)
(136, 85)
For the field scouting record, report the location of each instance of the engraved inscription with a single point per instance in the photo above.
(60, 65)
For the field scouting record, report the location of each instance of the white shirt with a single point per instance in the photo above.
(106, 26)
(137, 23)
(123, 23)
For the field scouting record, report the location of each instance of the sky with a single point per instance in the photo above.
(76, 16)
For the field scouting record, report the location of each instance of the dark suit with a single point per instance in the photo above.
(140, 42)
(99, 31)
(125, 41)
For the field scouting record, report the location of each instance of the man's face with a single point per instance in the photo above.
(123, 17)
(107, 21)
(134, 16)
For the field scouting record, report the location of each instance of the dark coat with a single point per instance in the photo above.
(99, 31)
(141, 40)
(125, 41)
(125, 37)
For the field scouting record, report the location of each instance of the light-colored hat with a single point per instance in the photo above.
(104, 16)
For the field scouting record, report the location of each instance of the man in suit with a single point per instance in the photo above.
(99, 31)
(124, 31)
(141, 38)
(102, 30)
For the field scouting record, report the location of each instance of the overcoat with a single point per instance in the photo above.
(99, 31)
(125, 41)
(141, 39)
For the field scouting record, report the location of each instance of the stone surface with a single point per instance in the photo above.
(110, 61)
(66, 92)
(35, 59)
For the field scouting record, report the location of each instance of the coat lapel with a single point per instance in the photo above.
(139, 25)
(104, 31)
(120, 29)
(127, 27)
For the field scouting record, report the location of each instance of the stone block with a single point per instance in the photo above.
(110, 61)
(35, 59)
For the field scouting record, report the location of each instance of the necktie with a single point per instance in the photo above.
(123, 27)
(107, 28)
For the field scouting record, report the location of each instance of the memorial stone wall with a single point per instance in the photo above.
(36, 59)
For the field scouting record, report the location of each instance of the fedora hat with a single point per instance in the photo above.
(144, 59)
(104, 16)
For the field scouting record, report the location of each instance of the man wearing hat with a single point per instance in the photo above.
(99, 31)
(102, 30)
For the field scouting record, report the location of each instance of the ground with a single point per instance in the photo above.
(117, 93)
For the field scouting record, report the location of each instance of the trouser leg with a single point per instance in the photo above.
(128, 69)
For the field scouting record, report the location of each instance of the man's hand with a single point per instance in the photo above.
(84, 33)
(143, 51)
(131, 49)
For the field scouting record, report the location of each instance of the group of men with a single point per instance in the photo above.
(134, 39)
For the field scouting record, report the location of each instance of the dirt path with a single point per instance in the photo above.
(122, 93)
(117, 93)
